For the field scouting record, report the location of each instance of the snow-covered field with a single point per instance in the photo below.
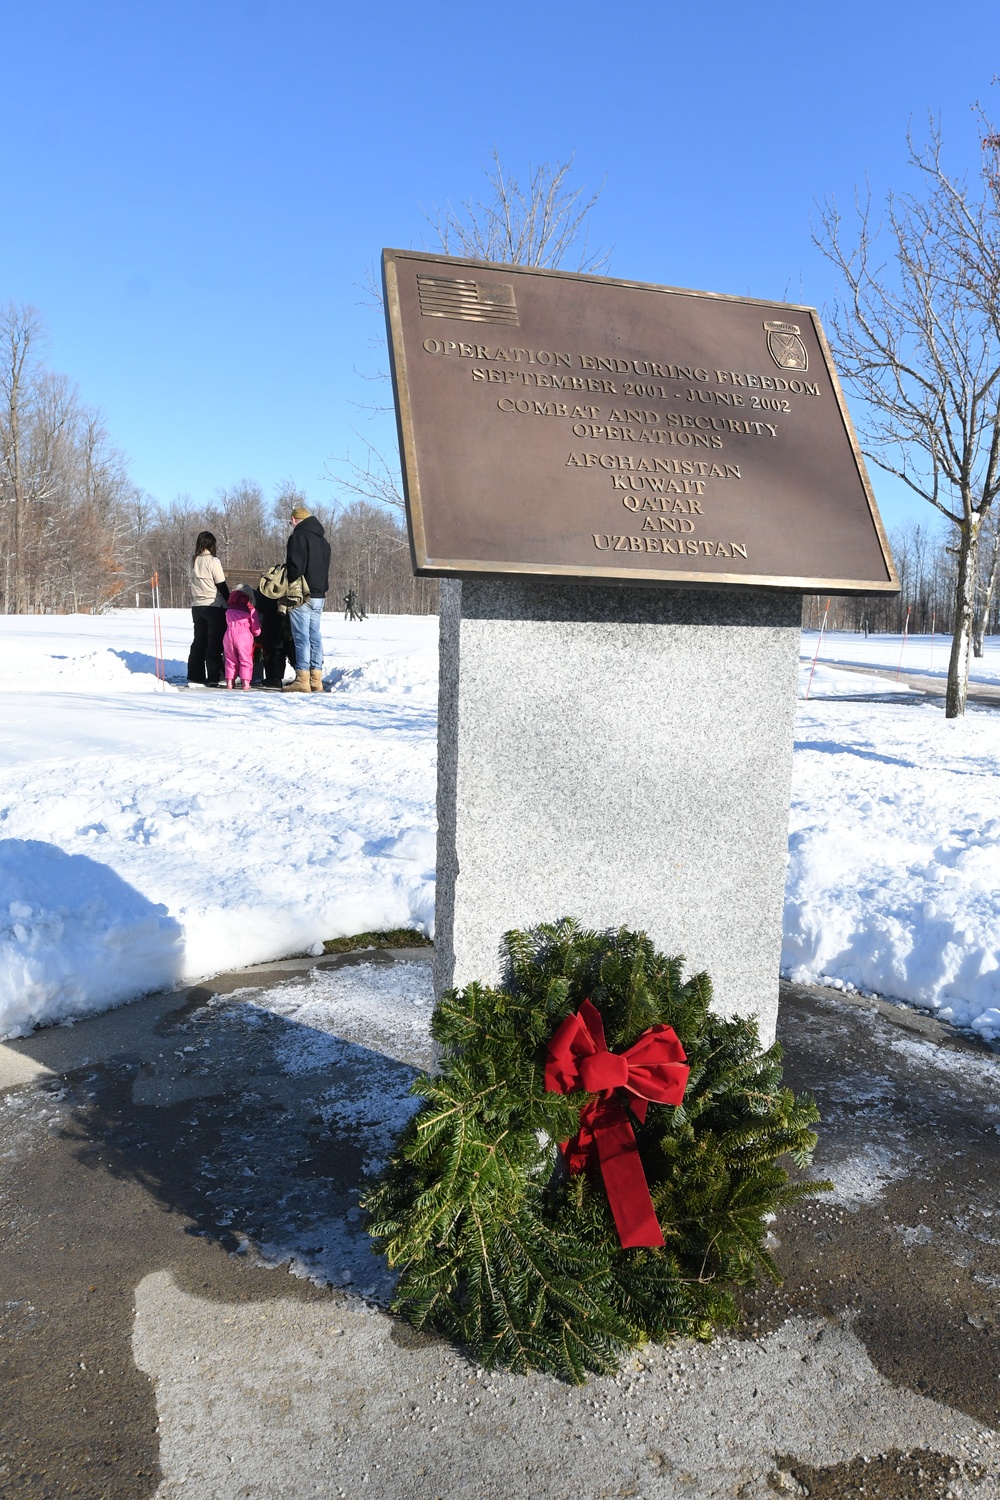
(152, 835)
(894, 838)
(922, 654)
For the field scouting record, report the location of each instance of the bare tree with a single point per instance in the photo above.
(374, 480)
(164, 538)
(918, 337)
(287, 496)
(371, 559)
(989, 565)
(65, 492)
(20, 333)
(926, 599)
(138, 520)
(545, 224)
(245, 531)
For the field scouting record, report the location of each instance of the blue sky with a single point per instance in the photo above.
(192, 192)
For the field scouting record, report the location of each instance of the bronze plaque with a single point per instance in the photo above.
(580, 427)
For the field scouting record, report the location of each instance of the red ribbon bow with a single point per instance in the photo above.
(653, 1068)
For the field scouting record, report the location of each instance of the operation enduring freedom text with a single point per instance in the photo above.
(552, 361)
(544, 369)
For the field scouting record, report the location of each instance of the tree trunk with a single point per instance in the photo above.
(961, 640)
(19, 336)
(986, 602)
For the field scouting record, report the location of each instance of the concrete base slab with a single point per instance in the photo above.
(155, 1344)
(296, 1399)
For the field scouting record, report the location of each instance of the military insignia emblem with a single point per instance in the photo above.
(785, 347)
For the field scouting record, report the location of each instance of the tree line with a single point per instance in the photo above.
(78, 535)
(927, 563)
(369, 546)
(67, 499)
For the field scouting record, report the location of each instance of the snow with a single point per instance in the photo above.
(384, 1007)
(894, 839)
(922, 654)
(153, 836)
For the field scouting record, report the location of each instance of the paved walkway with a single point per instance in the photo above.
(985, 694)
(149, 1155)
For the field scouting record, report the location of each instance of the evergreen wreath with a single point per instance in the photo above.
(505, 1250)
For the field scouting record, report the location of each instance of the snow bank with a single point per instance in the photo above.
(894, 842)
(33, 669)
(155, 837)
(72, 933)
(386, 674)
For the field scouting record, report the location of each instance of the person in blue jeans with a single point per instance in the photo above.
(307, 556)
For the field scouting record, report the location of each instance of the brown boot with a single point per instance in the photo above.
(300, 685)
(316, 679)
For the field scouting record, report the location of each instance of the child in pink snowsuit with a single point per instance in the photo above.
(242, 626)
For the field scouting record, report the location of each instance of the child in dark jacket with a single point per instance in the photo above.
(242, 626)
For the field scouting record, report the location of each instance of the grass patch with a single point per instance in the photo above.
(399, 937)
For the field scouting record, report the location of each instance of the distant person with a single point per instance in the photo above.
(209, 596)
(242, 629)
(352, 607)
(307, 556)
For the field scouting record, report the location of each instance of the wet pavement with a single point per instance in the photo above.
(178, 1189)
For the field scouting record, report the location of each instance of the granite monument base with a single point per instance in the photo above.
(622, 755)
